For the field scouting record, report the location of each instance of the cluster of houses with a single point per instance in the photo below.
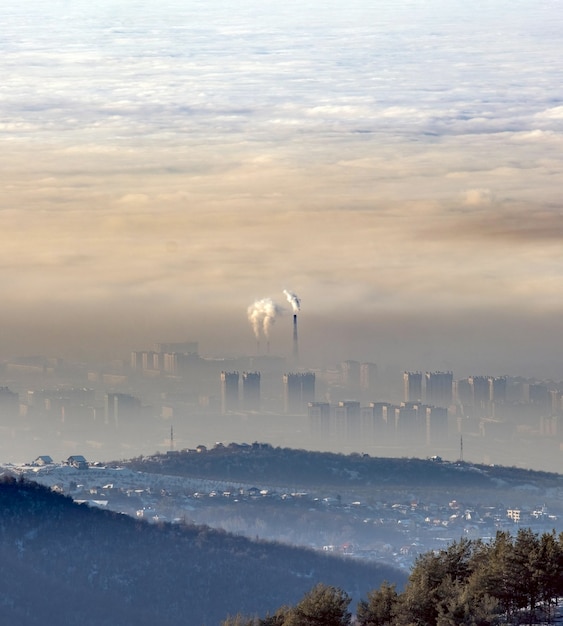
(76, 460)
(391, 531)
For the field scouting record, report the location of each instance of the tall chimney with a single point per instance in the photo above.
(295, 342)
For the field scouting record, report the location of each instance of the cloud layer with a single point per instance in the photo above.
(184, 157)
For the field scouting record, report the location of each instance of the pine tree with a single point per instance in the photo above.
(277, 619)
(494, 574)
(524, 568)
(418, 604)
(379, 610)
(549, 572)
(324, 605)
(457, 559)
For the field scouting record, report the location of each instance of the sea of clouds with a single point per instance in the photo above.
(405, 156)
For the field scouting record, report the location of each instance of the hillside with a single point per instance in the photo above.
(302, 469)
(63, 559)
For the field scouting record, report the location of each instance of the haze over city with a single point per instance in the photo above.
(395, 165)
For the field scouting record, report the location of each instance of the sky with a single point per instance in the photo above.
(398, 165)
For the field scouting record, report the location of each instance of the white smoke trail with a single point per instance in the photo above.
(262, 314)
(293, 300)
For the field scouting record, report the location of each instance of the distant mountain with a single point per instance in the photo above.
(64, 563)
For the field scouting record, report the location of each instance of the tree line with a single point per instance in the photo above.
(508, 580)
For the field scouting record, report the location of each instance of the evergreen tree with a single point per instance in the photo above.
(549, 572)
(494, 574)
(559, 560)
(379, 610)
(277, 619)
(324, 605)
(524, 571)
(457, 559)
(460, 606)
(418, 604)
(471, 583)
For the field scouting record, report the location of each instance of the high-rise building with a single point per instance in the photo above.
(319, 419)
(350, 374)
(136, 360)
(307, 387)
(170, 362)
(481, 394)
(292, 393)
(229, 392)
(539, 397)
(121, 408)
(144, 360)
(436, 425)
(347, 420)
(369, 382)
(251, 391)
(517, 391)
(555, 401)
(412, 386)
(368, 424)
(464, 394)
(298, 391)
(409, 423)
(498, 393)
(368, 376)
(439, 388)
(384, 421)
(548, 426)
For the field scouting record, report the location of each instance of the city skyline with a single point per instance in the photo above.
(121, 411)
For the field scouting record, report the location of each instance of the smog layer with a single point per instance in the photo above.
(166, 164)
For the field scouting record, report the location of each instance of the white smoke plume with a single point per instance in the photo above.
(262, 314)
(293, 300)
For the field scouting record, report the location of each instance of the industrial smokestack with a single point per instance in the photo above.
(293, 299)
(295, 341)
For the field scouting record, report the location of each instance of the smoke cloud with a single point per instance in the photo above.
(262, 314)
(293, 299)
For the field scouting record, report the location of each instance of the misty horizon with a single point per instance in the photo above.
(394, 166)
(168, 168)
(484, 344)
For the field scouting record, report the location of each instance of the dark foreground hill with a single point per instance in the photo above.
(66, 564)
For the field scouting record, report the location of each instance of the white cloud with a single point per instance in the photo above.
(187, 153)
(476, 197)
(554, 113)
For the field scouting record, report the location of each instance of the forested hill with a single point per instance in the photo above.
(300, 468)
(64, 563)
